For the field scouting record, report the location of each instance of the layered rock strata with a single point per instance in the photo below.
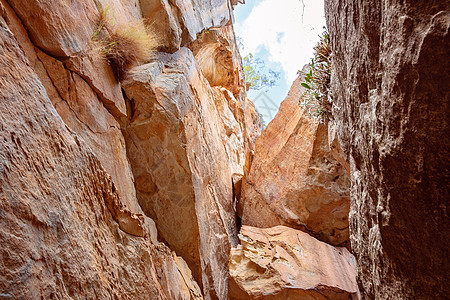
(58, 205)
(116, 234)
(184, 144)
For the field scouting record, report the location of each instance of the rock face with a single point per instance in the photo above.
(82, 109)
(390, 85)
(284, 263)
(58, 207)
(77, 155)
(294, 178)
(183, 162)
(177, 22)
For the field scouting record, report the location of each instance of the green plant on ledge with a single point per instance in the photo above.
(316, 99)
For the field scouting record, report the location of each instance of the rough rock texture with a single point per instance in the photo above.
(177, 22)
(74, 158)
(82, 110)
(390, 85)
(294, 179)
(284, 263)
(184, 144)
(215, 52)
(58, 206)
(64, 30)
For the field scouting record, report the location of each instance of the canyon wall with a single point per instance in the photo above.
(390, 87)
(120, 189)
(161, 185)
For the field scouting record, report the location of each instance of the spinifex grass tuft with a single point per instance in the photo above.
(122, 46)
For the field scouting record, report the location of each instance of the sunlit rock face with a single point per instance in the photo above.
(284, 263)
(184, 144)
(78, 176)
(178, 22)
(390, 84)
(131, 189)
(64, 231)
(295, 179)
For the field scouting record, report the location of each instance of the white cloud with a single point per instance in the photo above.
(277, 27)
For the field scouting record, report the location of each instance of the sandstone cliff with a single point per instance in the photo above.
(99, 177)
(135, 184)
(295, 179)
(390, 85)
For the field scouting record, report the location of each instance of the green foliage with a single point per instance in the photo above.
(316, 99)
(263, 123)
(256, 75)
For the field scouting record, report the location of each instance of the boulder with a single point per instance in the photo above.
(284, 263)
(295, 179)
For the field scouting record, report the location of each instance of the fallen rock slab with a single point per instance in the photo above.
(284, 263)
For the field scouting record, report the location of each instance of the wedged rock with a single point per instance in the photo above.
(58, 234)
(284, 263)
(390, 86)
(182, 169)
(294, 179)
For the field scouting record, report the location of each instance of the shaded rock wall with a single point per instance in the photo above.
(390, 86)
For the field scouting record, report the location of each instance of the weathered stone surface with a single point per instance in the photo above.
(294, 179)
(64, 31)
(79, 107)
(231, 131)
(178, 22)
(284, 263)
(390, 85)
(183, 171)
(58, 236)
(253, 123)
(197, 15)
(214, 52)
(164, 21)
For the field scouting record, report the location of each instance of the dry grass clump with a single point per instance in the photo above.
(124, 45)
(316, 98)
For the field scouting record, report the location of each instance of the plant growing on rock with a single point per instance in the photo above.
(122, 46)
(316, 99)
(256, 75)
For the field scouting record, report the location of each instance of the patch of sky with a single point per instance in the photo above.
(282, 33)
